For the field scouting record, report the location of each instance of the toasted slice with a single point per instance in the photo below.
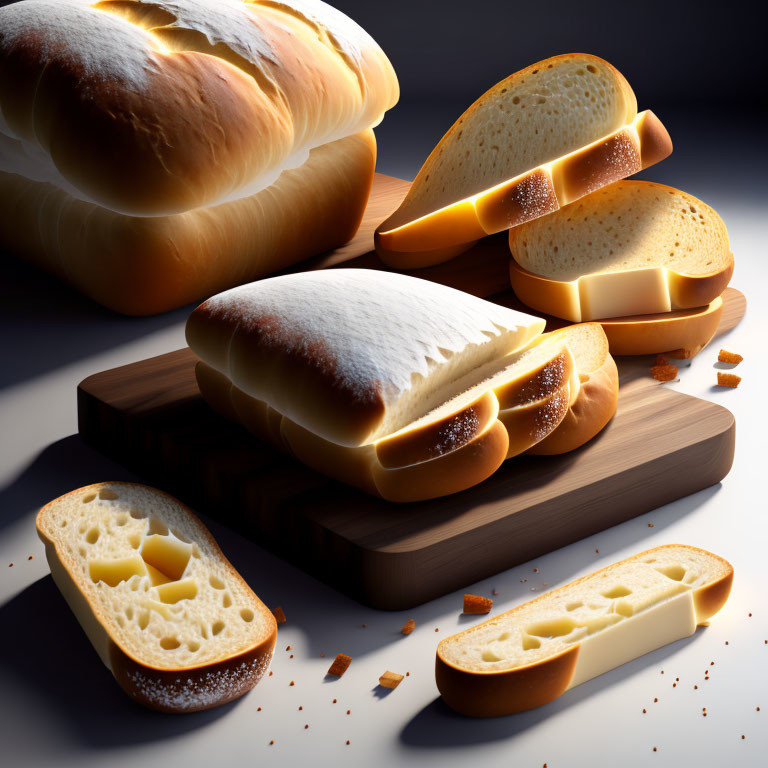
(528, 656)
(165, 610)
(684, 331)
(540, 139)
(635, 247)
(598, 392)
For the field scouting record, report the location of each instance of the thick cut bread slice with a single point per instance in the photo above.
(635, 247)
(353, 355)
(538, 140)
(598, 392)
(165, 610)
(143, 265)
(530, 655)
(683, 331)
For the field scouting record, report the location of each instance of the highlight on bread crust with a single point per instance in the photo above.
(530, 655)
(521, 151)
(632, 248)
(165, 610)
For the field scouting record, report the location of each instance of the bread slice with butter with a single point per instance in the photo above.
(632, 248)
(538, 140)
(528, 656)
(165, 610)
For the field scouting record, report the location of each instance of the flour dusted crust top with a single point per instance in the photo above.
(352, 354)
(157, 107)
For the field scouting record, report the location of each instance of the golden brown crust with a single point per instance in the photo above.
(182, 689)
(505, 692)
(531, 423)
(140, 266)
(686, 331)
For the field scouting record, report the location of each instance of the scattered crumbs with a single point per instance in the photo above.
(757, 709)
(728, 380)
(437, 629)
(300, 707)
(279, 615)
(390, 680)
(30, 557)
(726, 642)
(364, 626)
(674, 685)
(664, 372)
(477, 604)
(644, 711)
(495, 592)
(545, 584)
(259, 709)
(522, 581)
(408, 674)
(348, 711)
(651, 525)
(408, 627)
(750, 615)
(291, 656)
(292, 683)
(712, 663)
(347, 741)
(662, 671)
(306, 726)
(677, 679)
(695, 687)
(535, 570)
(704, 714)
(287, 647)
(10, 565)
(334, 701)
(661, 360)
(270, 673)
(729, 357)
(597, 551)
(322, 655)
(743, 736)
(655, 700)
(340, 665)
(272, 742)
(655, 749)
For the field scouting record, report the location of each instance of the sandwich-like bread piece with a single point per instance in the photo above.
(354, 355)
(528, 656)
(632, 248)
(683, 331)
(538, 140)
(598, 392)
(155, 107)
(144, 265)
(165, 610)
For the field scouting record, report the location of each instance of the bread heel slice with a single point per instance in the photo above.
(530, 655)
(167, 613)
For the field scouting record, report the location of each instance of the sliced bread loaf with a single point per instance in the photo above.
(537, 140)
(632, 248)
(528, 656)
(165, 610)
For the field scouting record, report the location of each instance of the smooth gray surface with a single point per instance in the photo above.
(61, 707)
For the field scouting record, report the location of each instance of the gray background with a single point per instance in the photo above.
(701, 71)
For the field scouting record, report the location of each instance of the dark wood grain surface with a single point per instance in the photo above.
(661, 445)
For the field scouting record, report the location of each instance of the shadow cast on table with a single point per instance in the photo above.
(46, 324)
(437, 726)
(68, 683)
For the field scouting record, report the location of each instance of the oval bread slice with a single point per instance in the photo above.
(528, 656)
(632, 248)
(167, 613)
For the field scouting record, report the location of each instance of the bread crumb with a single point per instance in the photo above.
(644, 712)
(597, 551)
(477, 604)
(743, 736)
(258, 709)
(292, 683)
(10, 565)
(272, 742)
(306, 726)
(655, 700)
(729, 357)
(270, 673)
(300, 707)
(347, 741)
(758, 709)
(662, 672)
(750, 615)
(364, 626)
(407, 674)
(655, 750)
(291, 656)
(31, 557)
(695, 687)
(334, 701)
(664, 372)
(408, 627)
(494, 592)
(322, 655)
(651, 525)
(340, 665)
(437, 629)
(279, 615)
(728, 380)
(287, 647)
(726, 642)
(661, 360)
(535, 570)
(348, 711)
(390, 680)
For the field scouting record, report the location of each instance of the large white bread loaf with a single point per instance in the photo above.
(528, 656)
(157, 107)
(632, 248)
(541, 138)
(405, 389)
(165, 610)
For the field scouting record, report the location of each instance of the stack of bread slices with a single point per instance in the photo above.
(544, 154)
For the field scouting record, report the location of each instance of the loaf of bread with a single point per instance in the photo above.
(165, 610)
(403, 388)
(528, 656)
(632, 248)
(537, 140)
(120, 116)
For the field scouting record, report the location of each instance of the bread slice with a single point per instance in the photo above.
(538, 140)
(528, 656)
(144, 265)
(165, 610)
(633, 248)
(598, 393)
(683, 331)
(353, 355)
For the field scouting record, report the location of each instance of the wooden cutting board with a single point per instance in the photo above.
(661, 445)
